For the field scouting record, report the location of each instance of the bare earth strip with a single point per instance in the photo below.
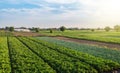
(89, 42)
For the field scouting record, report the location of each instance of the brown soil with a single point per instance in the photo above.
(26, 34)
(114, 71)
(94, 43)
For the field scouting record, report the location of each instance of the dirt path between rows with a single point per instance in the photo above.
(95, 43)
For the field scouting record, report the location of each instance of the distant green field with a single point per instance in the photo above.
(112, 36)
(3, 33)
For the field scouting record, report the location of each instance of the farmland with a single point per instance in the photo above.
(98, 35)
(59, 36)
(30, 55)
(49, 55)
(97, 51)
(25, 61)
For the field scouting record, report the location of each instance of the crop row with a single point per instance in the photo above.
(24, 60)
(105, 53)
(4, 56)
(99, 64)
(59, 61)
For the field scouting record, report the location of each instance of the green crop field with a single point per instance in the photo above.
(105, 53)
(4, 56)
(59, 36)
(33, 55)
(98, 35)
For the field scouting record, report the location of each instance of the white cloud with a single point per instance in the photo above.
(61, 1)
(89, 13)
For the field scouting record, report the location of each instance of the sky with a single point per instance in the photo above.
(56, 13)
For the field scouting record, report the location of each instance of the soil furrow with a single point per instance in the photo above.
(89, 42)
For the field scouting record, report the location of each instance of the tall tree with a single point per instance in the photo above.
(11, 29)
(36, 29)
(7, 28)
(117, 28)
(62, 28)
(51, 31)
(92, 30)
(107, 28)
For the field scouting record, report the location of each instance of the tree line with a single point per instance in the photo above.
(116, 28)
(63, 28)
(11, 29)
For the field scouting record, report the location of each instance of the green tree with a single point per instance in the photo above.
(36, 29)
(11, 29)
(6, 28)
(107, 28)
(92, 30)
(62, 28)
(51, 31)
(117, 28)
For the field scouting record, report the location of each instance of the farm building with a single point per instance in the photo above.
(22, 30)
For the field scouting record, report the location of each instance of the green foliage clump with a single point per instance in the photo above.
(92, 30)
(11, 29)
(51, 31)
(107, 28)
(117, 28)
(36, 29)
(62, 28)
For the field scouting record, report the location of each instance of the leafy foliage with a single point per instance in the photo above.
(4, 56)
(11, 29)
(51, 31)
(117, 28)
(59, 61)
(24, 60)
(30, 55)
(36, 29)
(92, 30)
(93, 50)
(107, 28)
(99, 64)
(62, 28)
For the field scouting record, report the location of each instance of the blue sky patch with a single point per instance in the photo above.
(17, 6)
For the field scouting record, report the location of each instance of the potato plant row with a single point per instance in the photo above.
(24, 60)
(105, 53)
(99, 64)
(60, 62)
(5, 66)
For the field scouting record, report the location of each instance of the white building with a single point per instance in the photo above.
(21, 30)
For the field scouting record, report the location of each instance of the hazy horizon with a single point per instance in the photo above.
(56, 13)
